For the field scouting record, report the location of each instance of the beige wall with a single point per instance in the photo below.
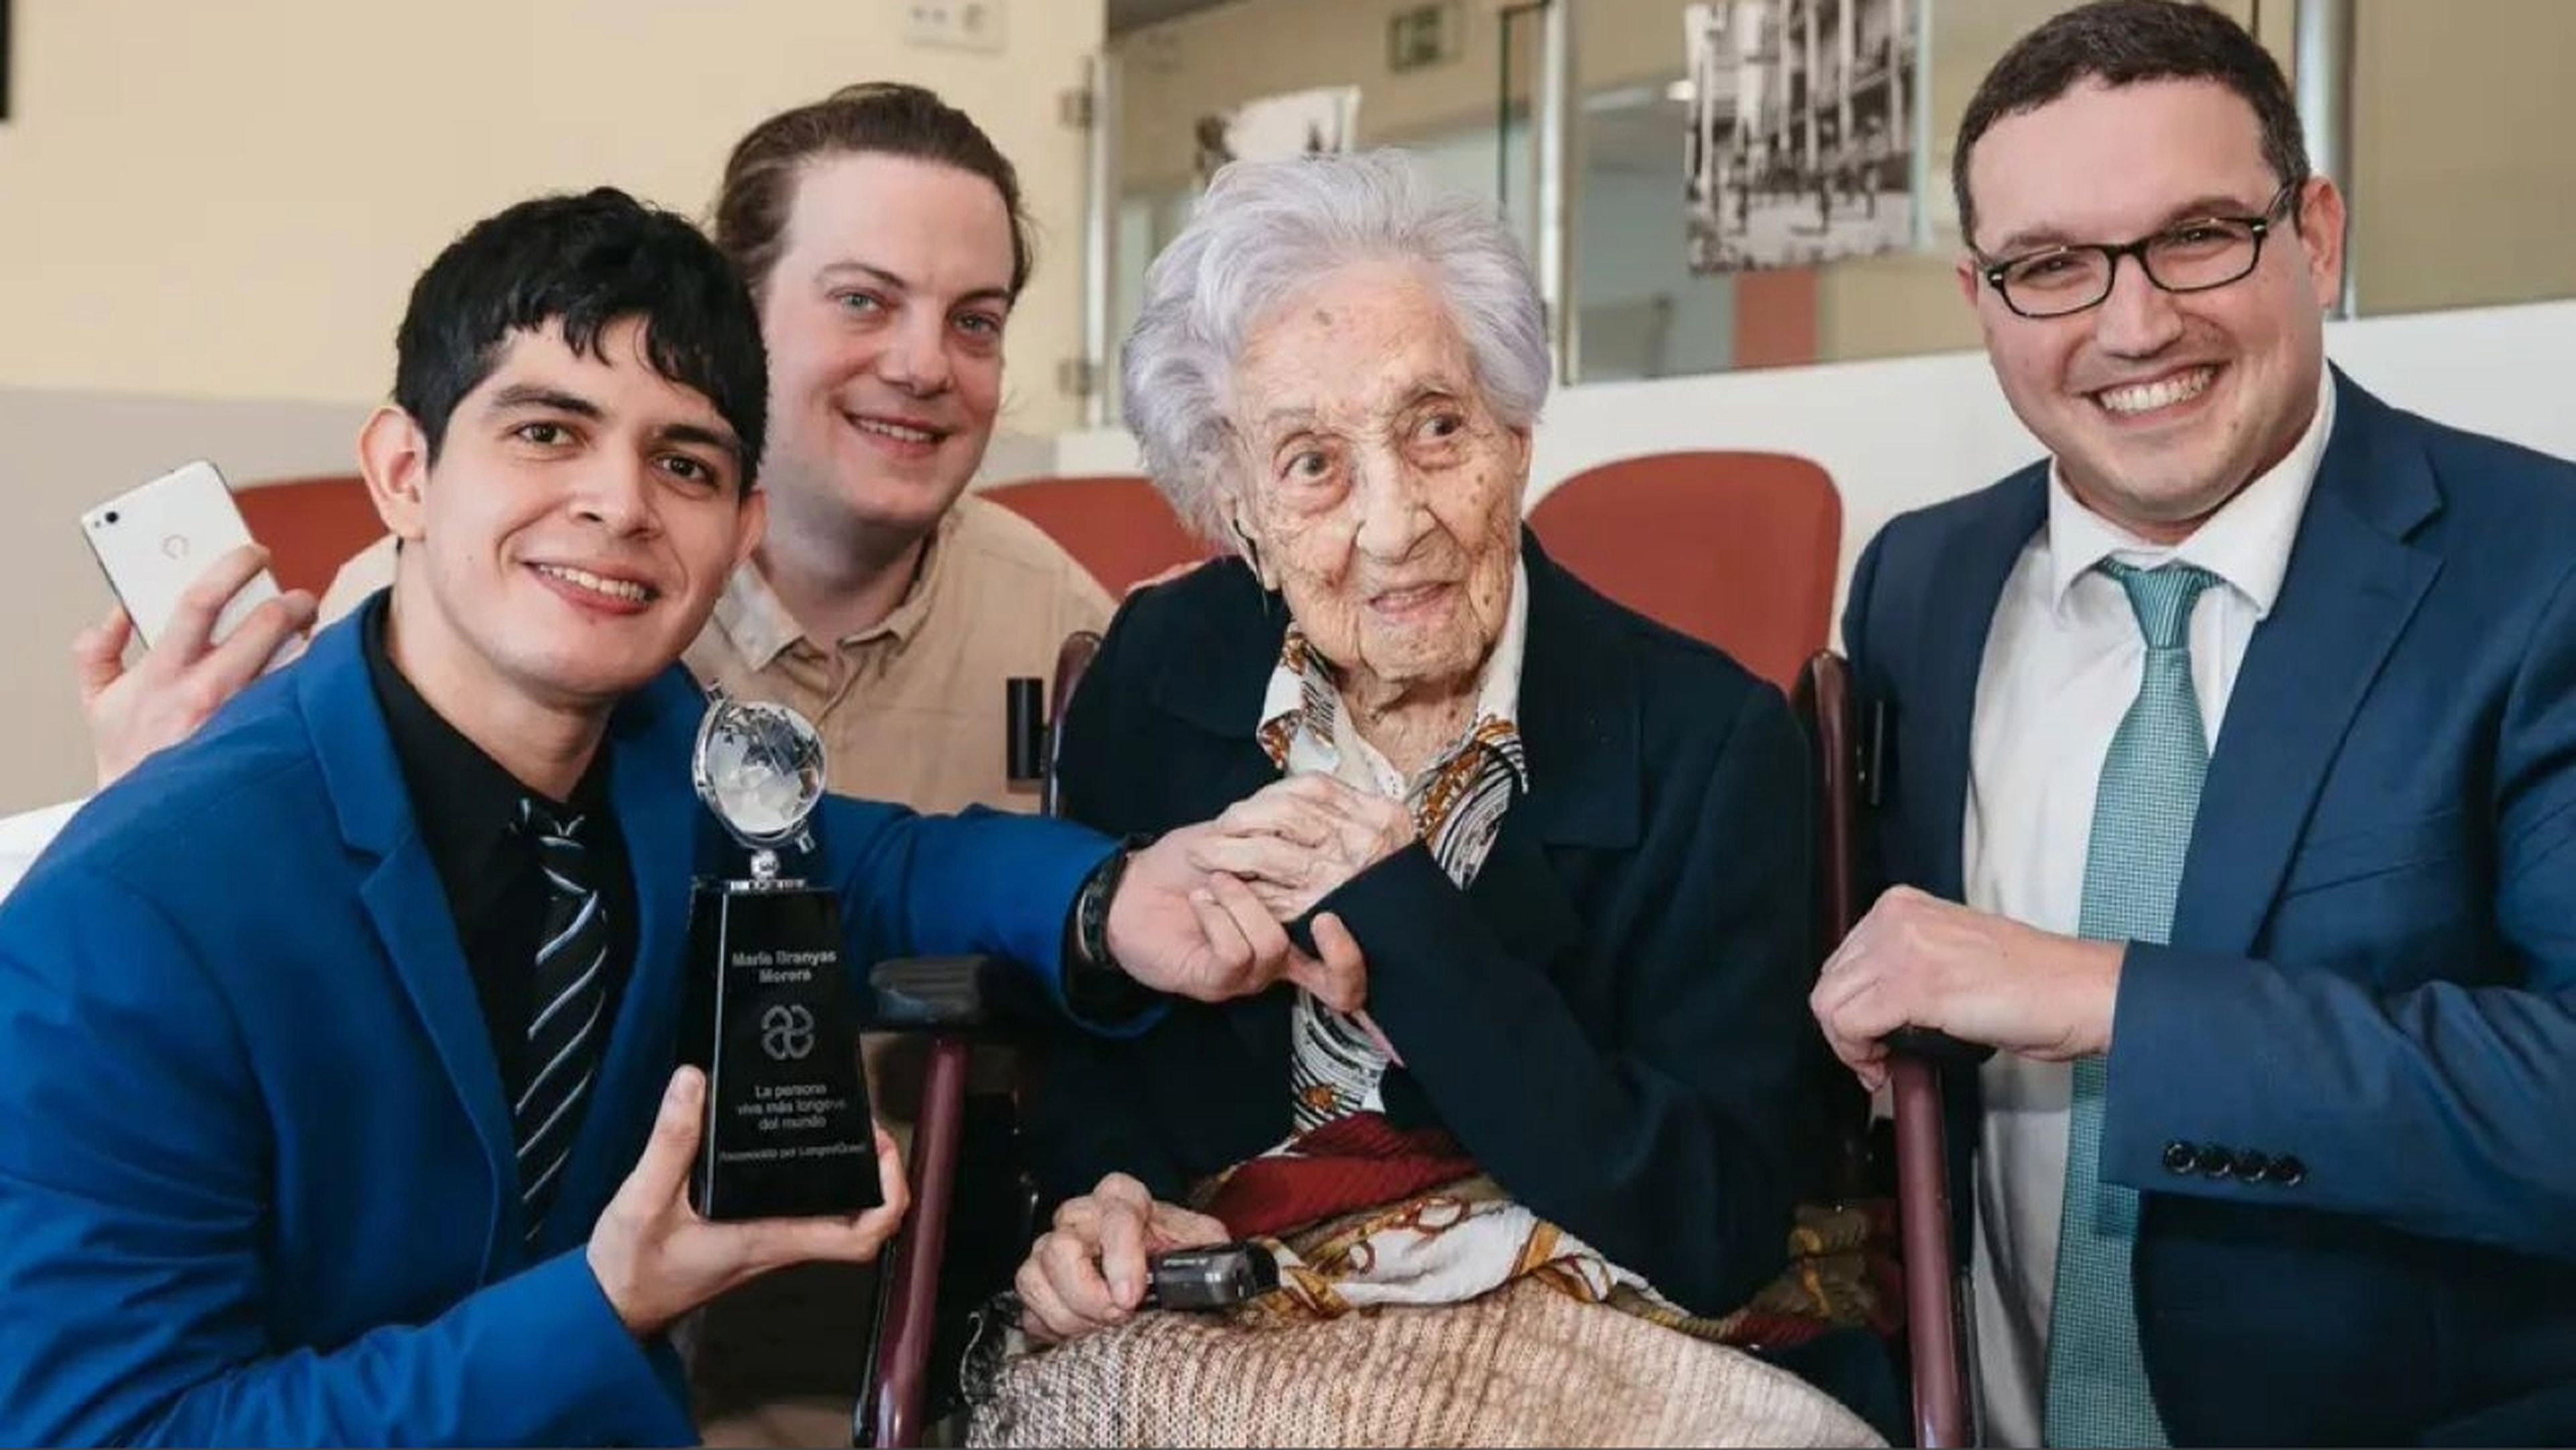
(2466, 184)
(230, 199)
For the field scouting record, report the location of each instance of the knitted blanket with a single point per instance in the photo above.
(1525, 1365)
(1418, 1305)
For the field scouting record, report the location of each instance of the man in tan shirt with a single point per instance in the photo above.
(912, 708)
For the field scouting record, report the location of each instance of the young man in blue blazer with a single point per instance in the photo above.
(2232, 792)
(311, 1139)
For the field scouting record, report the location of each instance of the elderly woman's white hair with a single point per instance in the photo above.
(1266, 230)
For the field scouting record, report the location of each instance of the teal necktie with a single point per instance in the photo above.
(2097, 1383)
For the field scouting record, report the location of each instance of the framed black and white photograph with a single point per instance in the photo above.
(1802, 131)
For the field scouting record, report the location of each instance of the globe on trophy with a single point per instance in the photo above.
(788, 1131)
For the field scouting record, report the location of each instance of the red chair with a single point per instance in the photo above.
(1739, 549)
(1934, 1331)
(311, 526)
(1117, 525)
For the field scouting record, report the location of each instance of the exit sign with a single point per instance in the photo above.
(1424, 35)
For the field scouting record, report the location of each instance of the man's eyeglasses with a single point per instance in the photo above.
(2189, 256)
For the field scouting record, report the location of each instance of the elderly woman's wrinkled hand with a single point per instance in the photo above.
(1179, 928)
(1088, 1272)
(1301, 839)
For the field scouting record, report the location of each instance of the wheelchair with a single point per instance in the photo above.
(974, 1212)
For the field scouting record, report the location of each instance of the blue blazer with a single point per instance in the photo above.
(257, 1183)
(1611, 1018)
(2346, 1088)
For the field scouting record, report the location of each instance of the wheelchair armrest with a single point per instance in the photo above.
(937, 994)
(955, 1002)
(893, 1401)
(1932, 1300)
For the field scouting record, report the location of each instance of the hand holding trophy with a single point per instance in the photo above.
(788, 1131)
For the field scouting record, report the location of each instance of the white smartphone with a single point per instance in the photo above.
(154, 541)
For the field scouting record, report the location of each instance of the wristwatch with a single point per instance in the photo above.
(1095, 986)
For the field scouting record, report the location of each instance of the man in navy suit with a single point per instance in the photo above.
(2231, 794)
(336, 1044)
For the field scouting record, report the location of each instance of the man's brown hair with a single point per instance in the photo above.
(2122, 43)
(879, 118)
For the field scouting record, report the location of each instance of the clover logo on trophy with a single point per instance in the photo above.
(786, 1032)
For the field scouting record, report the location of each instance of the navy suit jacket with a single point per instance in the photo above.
(2370, 994)
(1610, 1019)
(257, 1180)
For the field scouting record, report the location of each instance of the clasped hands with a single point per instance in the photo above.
(1199, 914)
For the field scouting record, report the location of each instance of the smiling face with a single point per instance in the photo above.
(884, 315)
(575, 530)
(2158, 406)
(1381, 495)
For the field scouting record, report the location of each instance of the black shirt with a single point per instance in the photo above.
(468, 809)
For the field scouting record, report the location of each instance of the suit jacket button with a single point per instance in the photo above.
(2216, 1162)
(2288, 1171)
(2253, 1167)
(2180, 1156)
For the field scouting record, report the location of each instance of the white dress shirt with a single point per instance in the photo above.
(2062, 665)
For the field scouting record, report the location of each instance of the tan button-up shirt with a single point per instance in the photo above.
(913, 710)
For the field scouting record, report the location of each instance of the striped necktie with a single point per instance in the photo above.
(2142, 817)
(568, 994)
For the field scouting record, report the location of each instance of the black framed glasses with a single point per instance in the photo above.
(2189, 256)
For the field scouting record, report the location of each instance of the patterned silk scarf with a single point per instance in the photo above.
(1457, 803)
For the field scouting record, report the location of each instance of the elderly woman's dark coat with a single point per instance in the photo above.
(1612, 1019)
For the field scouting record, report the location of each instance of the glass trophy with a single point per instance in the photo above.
(770, 1018)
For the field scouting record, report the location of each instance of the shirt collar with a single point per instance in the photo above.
(756, 623)
(906, 619)
(465, 800)
(2246, 543)
(1498, 697)
(1302, 689)
(752, 619)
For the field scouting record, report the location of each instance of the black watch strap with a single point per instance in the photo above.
(1095, 987)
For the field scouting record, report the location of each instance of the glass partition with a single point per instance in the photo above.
(1765, 182)
(1639, 311)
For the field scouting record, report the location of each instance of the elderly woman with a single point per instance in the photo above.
(1565, 848)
